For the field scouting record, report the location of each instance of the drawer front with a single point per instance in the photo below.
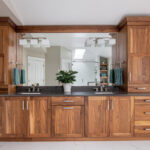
(142, 131)
(142, 108)
(137, 89)
(65, 101)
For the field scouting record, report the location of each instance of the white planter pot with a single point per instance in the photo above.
(67, 88)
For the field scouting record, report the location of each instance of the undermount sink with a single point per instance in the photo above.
(27, 93)
(104, 92)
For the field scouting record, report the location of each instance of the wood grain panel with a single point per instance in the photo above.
(15, 123)
(138, 37)
(2, 117)
(139, 70)
(39, 117)
(68, 121)
(97, 116)
(121, 116)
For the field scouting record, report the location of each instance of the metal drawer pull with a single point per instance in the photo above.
(67, 108)
(147, 101)
(112, 106)
(108, 105)
(147, 129)
(130, 76)
(27, 105)
(147, 113)
(22, 105)
(141, 88)
(68, 101)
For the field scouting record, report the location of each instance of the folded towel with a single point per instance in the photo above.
(22, 79)
(118, 76)
(16, 77)
(112, 76)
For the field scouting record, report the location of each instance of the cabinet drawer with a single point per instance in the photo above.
(142, 108)
(68, 100)
(142, 112)
(139, 89)
(142, 131)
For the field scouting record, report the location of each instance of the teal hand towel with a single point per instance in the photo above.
(112, 76)
(22, 79)
(16, 76)
(118, 76)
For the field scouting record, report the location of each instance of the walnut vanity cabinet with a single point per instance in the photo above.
(14, 115)
(138, 58)
(68, 116)
(25, 117)
(39, 117)
(109, 116)
(121, 116)
(142, 116)
(97, 116)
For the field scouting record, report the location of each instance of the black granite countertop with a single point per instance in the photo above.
(76, 94)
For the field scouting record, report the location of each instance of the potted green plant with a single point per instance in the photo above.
(66, 78)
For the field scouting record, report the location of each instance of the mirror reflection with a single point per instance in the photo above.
(90, 54)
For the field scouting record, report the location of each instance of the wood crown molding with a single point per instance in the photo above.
(67, 29)
(134, 20)
(4, 21)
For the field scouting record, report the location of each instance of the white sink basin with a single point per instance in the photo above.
(104, 92)
(27, 93)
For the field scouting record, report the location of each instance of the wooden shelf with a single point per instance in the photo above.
(104, 77)
(103, 70)
(103, 64)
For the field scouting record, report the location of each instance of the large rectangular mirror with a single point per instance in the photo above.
(90, 54)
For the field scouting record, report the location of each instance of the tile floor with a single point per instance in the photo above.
(108, 145)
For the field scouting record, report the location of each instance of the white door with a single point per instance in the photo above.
(36, 70)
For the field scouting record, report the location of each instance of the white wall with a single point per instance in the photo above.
(52, 65)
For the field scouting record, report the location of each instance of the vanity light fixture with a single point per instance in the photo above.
(79, 53)
(112, 42)
(23, 42)
(100, 42)
(34, 42)
(45, 43)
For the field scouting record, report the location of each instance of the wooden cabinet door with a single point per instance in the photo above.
(14, 111)
(138, 40)
(121, 116)
(1, 117)
(68, 121)
(39, 117)
(97, 113)
(139, 70)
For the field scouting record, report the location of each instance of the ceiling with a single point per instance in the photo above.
(74, 12)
